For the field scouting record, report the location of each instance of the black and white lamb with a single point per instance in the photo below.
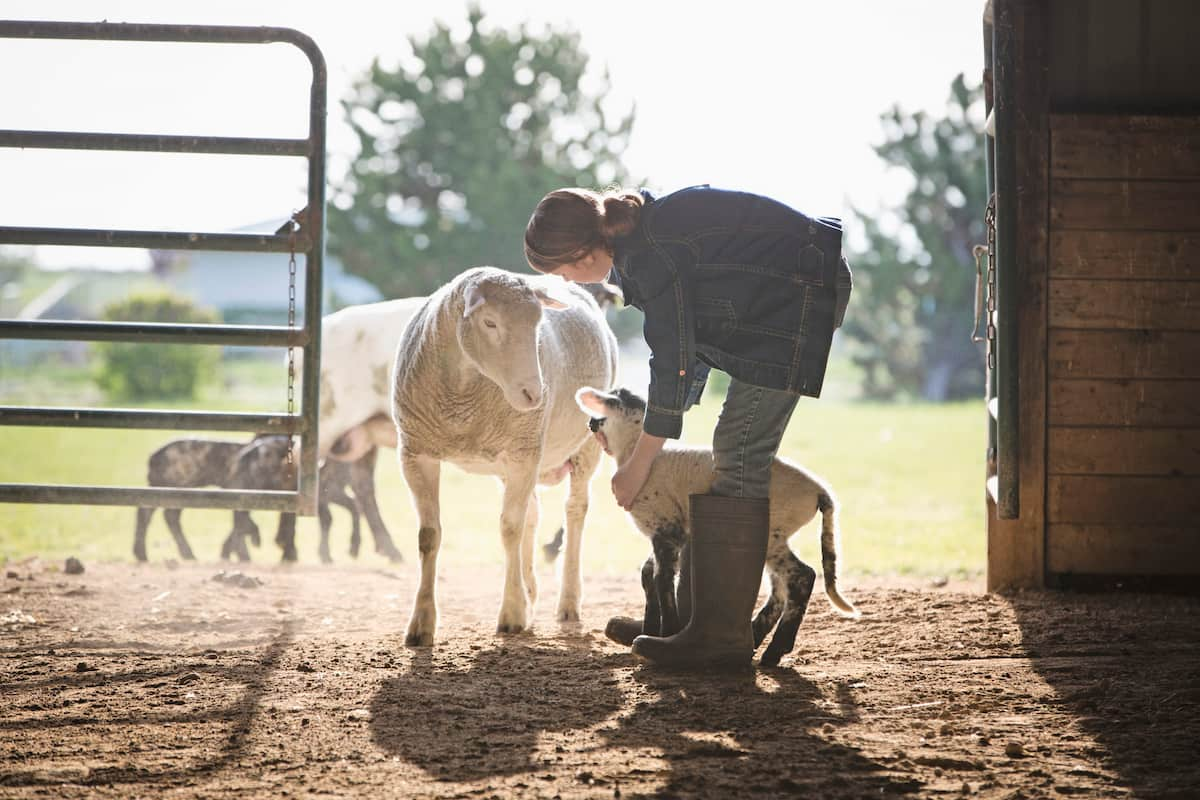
(661, 509)
(261, 465)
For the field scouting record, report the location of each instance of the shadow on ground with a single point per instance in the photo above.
(524, 707)
(1127, 667)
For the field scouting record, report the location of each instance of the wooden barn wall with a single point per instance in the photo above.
(1123, 315)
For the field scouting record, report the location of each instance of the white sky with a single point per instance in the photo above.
(778, 97)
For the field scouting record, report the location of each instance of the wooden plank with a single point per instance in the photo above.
(1123, 550)
(1123, 500)
(1124, 354)
(1124, 451)
(1125, 255)
(1016, 548)
(1125, 205)
(1151, 305)
(1125, 402)
(1171, 154)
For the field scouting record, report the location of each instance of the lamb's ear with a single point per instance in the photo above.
(591, 401)
(473, 300)
(549, 302)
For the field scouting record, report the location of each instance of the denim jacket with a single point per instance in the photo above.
(734, 281)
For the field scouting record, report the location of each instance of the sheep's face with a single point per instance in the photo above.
(499, 334)
(616, 418)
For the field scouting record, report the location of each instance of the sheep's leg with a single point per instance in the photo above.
(172, 517)
(652, 621)
(139, 533)
(532, 515)
(800, 579)
(570, 593)
(666, 565)
(769, 614)
(423, 478)
(326, 519)
(514, 608)
(285, 536)
(362, 481)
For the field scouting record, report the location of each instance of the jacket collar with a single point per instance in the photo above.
(624, 246)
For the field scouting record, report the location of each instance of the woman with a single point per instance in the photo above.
(727, 280)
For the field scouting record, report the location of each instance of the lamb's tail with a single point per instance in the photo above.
(552, 548)
(829, 554)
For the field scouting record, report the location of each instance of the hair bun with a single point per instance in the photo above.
(621, 212)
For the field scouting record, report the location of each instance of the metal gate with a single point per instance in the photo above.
(306, 235)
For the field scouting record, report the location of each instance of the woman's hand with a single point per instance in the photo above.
(631, 476)
(628, 481)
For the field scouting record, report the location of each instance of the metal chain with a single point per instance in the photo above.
(989, 219)
(293, 227)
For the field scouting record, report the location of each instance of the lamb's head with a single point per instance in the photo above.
(498, 333)
(616, 419)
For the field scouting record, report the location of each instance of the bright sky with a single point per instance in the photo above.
(772, 96)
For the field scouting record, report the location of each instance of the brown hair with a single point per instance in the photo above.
(569, 223)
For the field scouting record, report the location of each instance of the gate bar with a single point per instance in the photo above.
(248, 500)
(162, 332)
(142, 419)
(225, 145)
(309, 240)
(155, 240)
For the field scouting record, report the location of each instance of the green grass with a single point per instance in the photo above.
(909, 479)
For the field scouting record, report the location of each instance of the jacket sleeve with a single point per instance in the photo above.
(669, 334)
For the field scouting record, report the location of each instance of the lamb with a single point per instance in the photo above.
(485, 380)
(195, 463)
(660, 511)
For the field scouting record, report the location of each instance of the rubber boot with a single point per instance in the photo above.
(623, 630)
(729, 549)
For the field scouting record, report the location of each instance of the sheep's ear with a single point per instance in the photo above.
(591, 401)
(548, 301)
(610, 293)
(473, 300)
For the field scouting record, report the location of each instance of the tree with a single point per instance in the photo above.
(911, 314)
(456, 146)
(151, 371)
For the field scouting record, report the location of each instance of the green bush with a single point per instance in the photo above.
(154, 371)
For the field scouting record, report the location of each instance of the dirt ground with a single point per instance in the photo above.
(158, 681)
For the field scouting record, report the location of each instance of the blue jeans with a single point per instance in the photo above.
(747, 438)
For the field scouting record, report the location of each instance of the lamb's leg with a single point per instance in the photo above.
(285, 536)
(666, 565)
(362, 481)
(532, 515)
(423, 478)
(139, 533)
(769, 614)
(800, 579)
(514, 608)
(243, 529)
(623, 630)
(570, 593)
(172, 517)
(326, 520)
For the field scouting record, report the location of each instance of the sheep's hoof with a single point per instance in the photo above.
(418, 640)
(568, 615)
(770, 658)
(510, 627)
(325, 557)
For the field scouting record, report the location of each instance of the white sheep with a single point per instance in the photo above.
(485, 380)
(661, 512)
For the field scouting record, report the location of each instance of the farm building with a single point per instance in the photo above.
(1095, 366)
